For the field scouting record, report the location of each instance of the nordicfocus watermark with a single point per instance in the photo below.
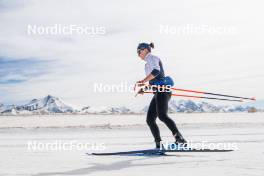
(64, 145)
(60, 29)
(191, 29)
(124, 87)
(204, 145)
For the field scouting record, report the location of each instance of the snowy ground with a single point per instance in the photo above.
(129, 132)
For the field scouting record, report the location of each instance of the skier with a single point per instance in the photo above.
(159, 104)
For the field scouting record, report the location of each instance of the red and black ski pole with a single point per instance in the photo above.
(216, 94)
(201, 97)
(204, 93)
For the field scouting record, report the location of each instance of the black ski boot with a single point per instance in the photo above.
(158, 144)
(180, 141)
(159, 150)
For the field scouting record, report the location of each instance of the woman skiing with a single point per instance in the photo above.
(159, 104)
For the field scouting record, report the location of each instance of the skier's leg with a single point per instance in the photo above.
(151, 121)
(162, 100)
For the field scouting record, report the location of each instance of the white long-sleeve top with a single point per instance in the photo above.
(154, 66)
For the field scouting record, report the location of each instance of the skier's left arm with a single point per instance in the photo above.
(147, 78)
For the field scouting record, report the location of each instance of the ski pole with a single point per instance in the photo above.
(201, 97)
(208, 93)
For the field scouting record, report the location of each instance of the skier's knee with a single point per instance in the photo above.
(163, 117)
(150, 122)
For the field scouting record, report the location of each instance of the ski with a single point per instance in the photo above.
(159, 152)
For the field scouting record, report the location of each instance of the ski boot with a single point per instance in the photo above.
(159, 150)
(180, 141)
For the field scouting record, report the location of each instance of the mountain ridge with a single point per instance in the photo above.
(54, 105)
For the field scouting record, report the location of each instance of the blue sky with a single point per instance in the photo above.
(67, 66)
(15, 71)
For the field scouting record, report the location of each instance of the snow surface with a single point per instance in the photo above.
(129, 132)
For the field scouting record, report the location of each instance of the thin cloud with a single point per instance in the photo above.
(14, 71)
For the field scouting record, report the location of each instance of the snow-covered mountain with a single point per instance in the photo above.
(105, 110)
(46, 105)
(189, 106)
(2, 108)
(259, 104)
(7, 108)
(51, 105)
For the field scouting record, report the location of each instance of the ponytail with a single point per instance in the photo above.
(151, 45)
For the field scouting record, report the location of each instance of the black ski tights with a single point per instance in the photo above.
(158, 108)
